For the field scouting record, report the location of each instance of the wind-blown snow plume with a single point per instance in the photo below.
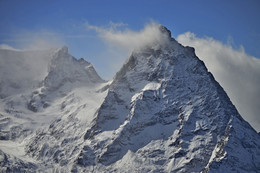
(129, 40)
(236, 71)
(20, 70)
(26, 66)
(120, 41)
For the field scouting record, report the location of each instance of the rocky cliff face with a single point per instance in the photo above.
(162, 112)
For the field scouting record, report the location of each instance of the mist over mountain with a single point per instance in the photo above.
(162, 112)
(22, 70)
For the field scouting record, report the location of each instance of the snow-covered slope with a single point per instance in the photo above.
(68, 95)
(162, 112)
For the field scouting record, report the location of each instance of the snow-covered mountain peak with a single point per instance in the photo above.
(165, 30)
(165, 109)
(65, 68)
(162, 112)
(162, 42)
(60, 56)
(64, 49)
(60, 52)
(65, 74)
(148, 60)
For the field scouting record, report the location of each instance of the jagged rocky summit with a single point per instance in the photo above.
(162, 112)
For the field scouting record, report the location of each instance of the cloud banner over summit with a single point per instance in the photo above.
(129, 40)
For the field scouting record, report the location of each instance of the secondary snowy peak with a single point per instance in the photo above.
(65, 74)
(65, 68)
(51, 116)
(24, 71)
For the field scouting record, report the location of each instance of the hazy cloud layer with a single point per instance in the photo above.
(237, 72)
(7, 47)
(24, 68)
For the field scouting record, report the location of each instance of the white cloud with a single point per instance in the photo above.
(120, 41)
(129, 40)
(237, 72)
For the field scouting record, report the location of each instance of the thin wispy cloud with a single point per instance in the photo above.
(236, 71)
(35, 40)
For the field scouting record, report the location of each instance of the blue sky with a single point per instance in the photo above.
(63, 22)
(206, 25)
(234, 20)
